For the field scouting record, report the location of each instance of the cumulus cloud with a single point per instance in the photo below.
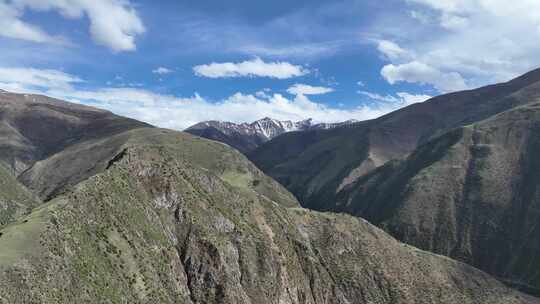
(113, 23)
(418, 72)
(304, 89)
(408, 67)
(251, 68)
(176, 112)
(179, 113)
(471, 42)
(162, 71)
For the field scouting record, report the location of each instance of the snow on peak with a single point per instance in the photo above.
(267, 128)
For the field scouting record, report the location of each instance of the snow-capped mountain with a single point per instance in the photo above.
(247, 136)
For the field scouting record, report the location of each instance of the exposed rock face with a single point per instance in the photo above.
(246, 137)
(167, 223)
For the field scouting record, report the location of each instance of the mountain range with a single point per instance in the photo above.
(456, 175)
(246, 137)
(98, 208)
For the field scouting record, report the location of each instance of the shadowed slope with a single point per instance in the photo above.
(472, 194)
(241, 142)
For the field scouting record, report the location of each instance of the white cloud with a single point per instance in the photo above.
(391, 50)
(175, 112)
(162, 71)
(477, 41)
(263, 94)
(418, 72)
(35, 80)
(454, 22)
(113, 23)
(409, 99)
(304, 89)
(446, 5)
(12, 27)
(409, 69)
(361, 83)
(420, 16)
(252, 68)
(179, 113)
(401, 98)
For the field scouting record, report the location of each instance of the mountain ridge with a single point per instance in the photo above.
(246, 137)
(23, 142)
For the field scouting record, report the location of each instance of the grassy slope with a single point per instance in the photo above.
(471, 194)
(15, 200)
(78, 162)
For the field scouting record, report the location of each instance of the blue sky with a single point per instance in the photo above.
(175, 63)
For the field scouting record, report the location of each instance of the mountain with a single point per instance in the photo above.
(472, 194)
(453, 175)
(159, 216)
(36, 129)
(23, 140)
(316, 164)
(247, 137)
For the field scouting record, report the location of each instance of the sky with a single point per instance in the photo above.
(176, 63)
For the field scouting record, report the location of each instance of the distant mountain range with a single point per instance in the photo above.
(246, 137)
